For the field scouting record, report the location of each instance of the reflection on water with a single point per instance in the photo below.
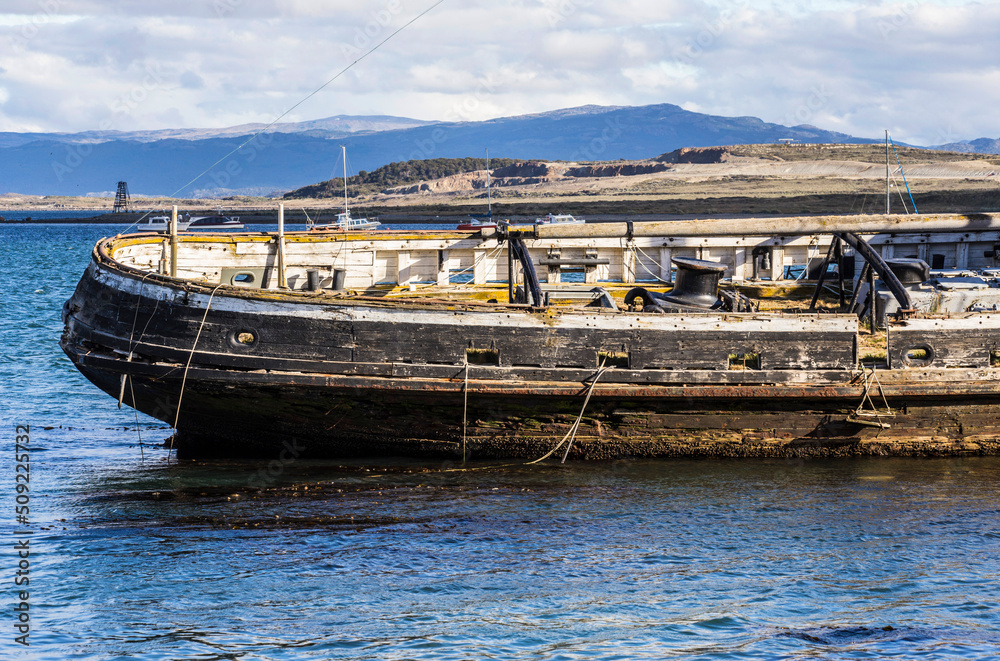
(141, 557)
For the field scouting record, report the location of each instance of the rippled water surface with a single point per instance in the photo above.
(140, 557)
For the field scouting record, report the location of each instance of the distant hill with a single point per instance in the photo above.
(162, 163)
(395, 174)
(978, 146)
(330, 127)
(862, 153)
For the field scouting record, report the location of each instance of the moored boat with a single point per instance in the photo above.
(474, 343)
(194, 223)
(479, 222)
(212, 223)
(344, 222)
(559, 219)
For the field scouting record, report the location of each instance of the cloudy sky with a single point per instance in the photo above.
(928, 70)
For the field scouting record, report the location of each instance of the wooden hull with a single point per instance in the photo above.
(259, 372)
(232, 415)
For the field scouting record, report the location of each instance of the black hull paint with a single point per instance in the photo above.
(223, 415)
(326, 380)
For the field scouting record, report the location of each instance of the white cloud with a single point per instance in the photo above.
(925, 69)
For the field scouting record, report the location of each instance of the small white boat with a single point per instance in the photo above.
(345, 222)
(559, 219)
(214, 223)
(217, 222)
(477, 223)
(159, 224)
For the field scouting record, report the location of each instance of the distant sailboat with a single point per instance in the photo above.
(345, 222)
(479, 222)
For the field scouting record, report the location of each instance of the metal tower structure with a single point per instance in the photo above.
(122, 199)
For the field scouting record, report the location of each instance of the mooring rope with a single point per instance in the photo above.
(465, 407)
(571, 434)
(180, 397)
(866, 396)
(142, 454)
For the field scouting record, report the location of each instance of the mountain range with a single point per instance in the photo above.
(211, 162)
(978, 146)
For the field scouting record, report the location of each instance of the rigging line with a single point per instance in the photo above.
(482, 257)
(300, 102)
(152, 314)
(896, 186)
(135, 319)
(131, 344)
(646, 268)
(912, 201)
(132, 341)
(131, 348)
(476, 263)
(180, 397)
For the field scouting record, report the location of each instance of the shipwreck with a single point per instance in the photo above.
(776, 337)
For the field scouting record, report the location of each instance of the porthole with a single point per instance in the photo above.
(243, 338)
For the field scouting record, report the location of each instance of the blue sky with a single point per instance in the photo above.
(929, 71)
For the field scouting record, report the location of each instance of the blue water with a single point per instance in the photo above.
(137, 556)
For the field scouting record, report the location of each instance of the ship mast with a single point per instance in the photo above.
(343, 150)
(887, 172)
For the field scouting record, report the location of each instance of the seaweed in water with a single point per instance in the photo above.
(855, 635)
